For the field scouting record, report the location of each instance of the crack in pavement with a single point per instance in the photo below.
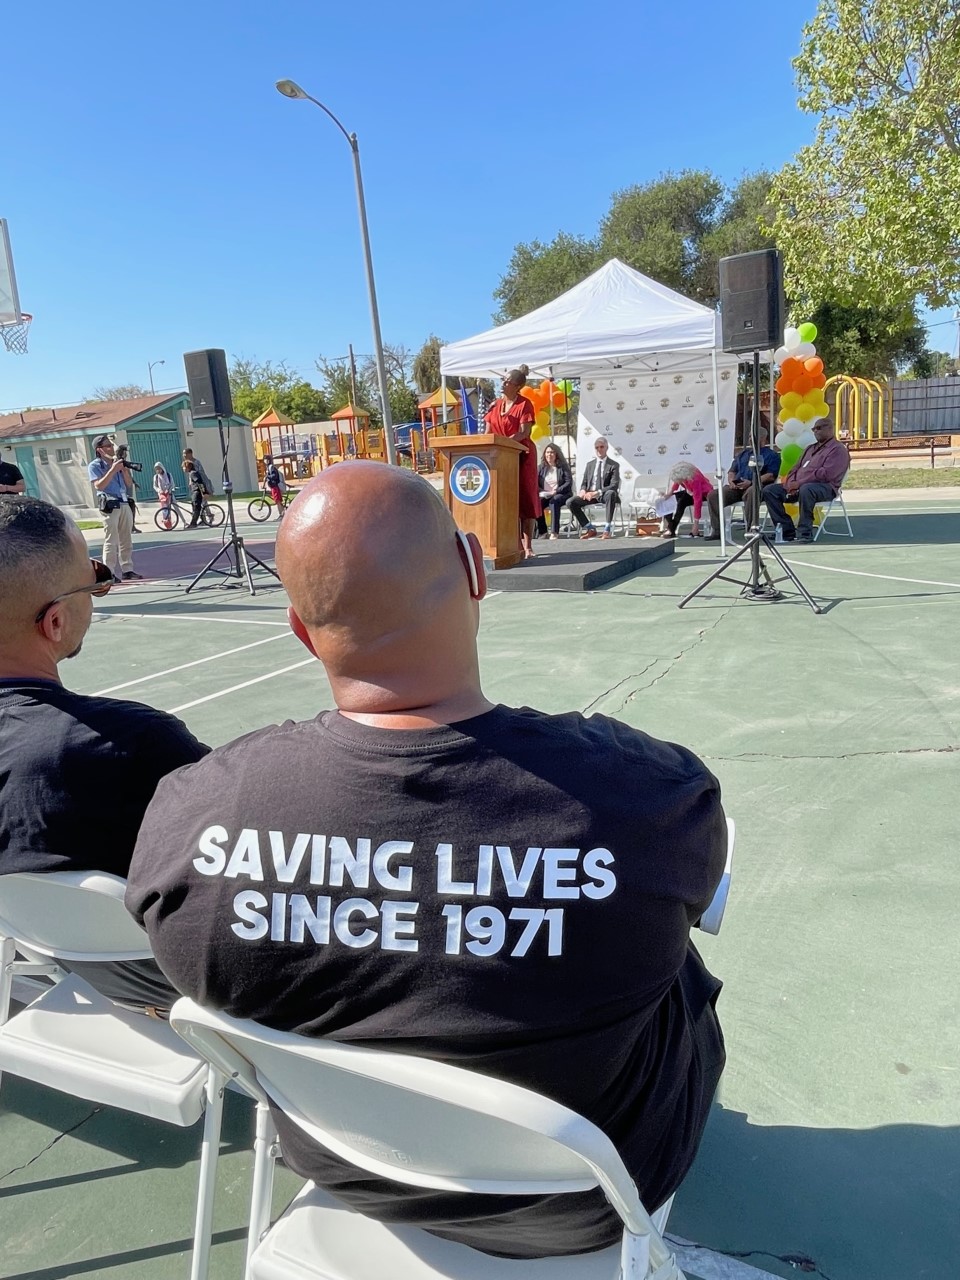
(52, 1143)
(635, 675)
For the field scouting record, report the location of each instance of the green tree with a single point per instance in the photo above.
(338, 387)
(539, 272)
(125, 391)
(426, 366)
(257, 386)
(868, 342)
(658, 228)
(869, 213)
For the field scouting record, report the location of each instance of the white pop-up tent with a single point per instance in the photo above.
(616, 319)
(653, 379)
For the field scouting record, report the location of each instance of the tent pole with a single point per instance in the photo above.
(716, 437)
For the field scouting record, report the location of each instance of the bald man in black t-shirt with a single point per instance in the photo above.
(425, 871)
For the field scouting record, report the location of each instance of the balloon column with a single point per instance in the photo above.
(800, 387)
(556, 393)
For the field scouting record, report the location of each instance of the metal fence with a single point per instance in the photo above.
(925, 406)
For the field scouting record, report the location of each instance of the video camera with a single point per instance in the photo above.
(121, 452)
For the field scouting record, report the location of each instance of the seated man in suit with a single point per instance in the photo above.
(600, 483)
(817, 477)
(739, 486)
(76, 772)
(420, 869)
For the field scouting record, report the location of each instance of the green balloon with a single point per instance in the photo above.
(808, 332)
(790, 455)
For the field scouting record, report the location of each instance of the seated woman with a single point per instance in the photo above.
(555, 482)
(691, 487)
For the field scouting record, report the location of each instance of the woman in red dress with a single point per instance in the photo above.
(513, 415)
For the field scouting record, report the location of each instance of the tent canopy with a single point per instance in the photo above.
(615, 319)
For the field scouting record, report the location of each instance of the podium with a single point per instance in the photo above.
(481, 487)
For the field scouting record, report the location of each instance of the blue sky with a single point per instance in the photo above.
(162, 196)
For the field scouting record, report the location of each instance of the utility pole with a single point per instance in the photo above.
(353, 378)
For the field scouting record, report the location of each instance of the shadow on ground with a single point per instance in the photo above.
(848, 1203)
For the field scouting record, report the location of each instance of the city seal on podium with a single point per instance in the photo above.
(470, 479)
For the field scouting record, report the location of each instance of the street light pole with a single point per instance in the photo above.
(291, 90)
(150, 368)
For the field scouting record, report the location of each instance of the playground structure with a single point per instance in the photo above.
(302, 450)
(862, 409)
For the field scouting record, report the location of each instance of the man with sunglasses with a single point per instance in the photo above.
(817, 477)
(107, 475)
(76, 772)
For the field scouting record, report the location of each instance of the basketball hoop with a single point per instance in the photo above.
(14, 335)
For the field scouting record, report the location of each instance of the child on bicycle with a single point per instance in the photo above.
(273, 480)
(163, 488)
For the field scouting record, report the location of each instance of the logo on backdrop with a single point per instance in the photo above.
(470, 480)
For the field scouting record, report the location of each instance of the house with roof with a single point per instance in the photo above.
(53, 446)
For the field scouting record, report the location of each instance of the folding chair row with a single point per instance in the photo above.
(73, 1039)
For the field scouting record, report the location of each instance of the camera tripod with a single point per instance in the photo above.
(760, 588)
(233, 550)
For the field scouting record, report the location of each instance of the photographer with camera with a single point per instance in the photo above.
(108, 475)
(123, 454)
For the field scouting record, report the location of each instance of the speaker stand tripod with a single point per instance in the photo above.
(233, 551)
(759, 588)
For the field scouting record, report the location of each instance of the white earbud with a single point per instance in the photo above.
(471, 566)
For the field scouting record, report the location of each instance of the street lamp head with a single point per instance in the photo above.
(290, 89)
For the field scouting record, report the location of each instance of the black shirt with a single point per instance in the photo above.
(512, 893)
(9, 474)
(77, 773)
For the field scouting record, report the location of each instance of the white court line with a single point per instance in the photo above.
(185, 706)
(197, 662)
(196, 617)
(861, 573)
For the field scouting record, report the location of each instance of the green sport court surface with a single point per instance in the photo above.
(835, 1148)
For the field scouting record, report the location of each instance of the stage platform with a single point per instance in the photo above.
(574, 564)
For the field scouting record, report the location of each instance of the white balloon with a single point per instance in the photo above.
(804, 351)
(791, 339)
(780, 355)
(806, 438)
(793, 428)
(816, 418)
(781, 439)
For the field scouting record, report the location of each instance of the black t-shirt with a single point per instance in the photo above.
(512, 893)
(77, 773)
(9, 474)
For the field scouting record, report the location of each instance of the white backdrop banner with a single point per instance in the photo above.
(654, 420)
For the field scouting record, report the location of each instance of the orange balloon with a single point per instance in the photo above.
(536, 398)
(813, 365)
(791, 368)
(782, 385)
(819, 380)
(802, 385)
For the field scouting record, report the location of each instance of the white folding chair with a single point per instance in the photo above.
(825, 509)
(424, 1124)
(712, 918)
(73, 1039)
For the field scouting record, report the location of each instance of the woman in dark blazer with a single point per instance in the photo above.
(555, 482)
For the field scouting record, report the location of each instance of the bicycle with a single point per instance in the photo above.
(263, 506)
(212, 515)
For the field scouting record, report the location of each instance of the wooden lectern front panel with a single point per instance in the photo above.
(481, 488)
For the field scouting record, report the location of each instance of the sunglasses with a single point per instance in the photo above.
(102, 584)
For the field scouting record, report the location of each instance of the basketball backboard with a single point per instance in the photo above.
(10, 312)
